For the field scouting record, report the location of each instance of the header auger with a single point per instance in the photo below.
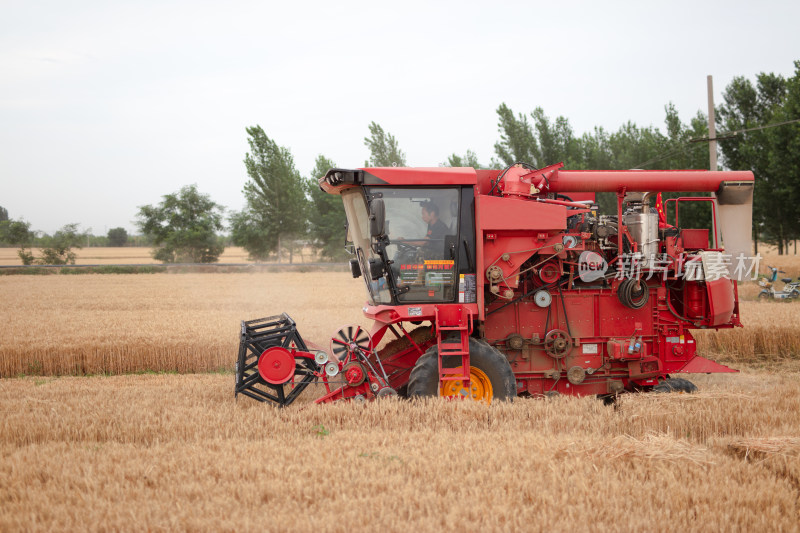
(502, 283)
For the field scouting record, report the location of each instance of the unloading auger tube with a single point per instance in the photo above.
(498, 283)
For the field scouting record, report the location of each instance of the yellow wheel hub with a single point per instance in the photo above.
(479, 389)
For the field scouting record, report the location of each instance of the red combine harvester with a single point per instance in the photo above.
(495, 284)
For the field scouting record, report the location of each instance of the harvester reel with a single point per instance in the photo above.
(348, 340)
(267, 368)
(557, 343)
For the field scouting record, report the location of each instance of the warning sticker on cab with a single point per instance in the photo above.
(436, 264)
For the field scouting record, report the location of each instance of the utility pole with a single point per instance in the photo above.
(712, 133)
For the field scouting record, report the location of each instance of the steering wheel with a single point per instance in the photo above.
(407, 254)
(403, 247)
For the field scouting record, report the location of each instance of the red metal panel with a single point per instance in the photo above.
(701, 365)
(499, 214)
(720, 300)
(695, 239)
(616, 320)
(391, 314)
(436, 176)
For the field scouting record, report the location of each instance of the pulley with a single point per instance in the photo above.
(354, 373)
(542, 298)
(549, 272)
(331, 369)
(576, 375)
(569, 241)
(515, 342)
(494, 274)
(387, 392)
(557, 343)
(320, 357)
(633, 293)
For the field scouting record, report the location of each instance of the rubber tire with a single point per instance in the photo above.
(763, 295)
(424, 378)
(794, 294)
(676, 385)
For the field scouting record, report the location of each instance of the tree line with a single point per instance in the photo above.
(758, 129)
(283, 206)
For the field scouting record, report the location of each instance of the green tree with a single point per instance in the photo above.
(3, 214)
(470, 159)
(383, 148)
(57, 250)
(117, 237)
(767, 152)
(556, 140)
(327, 221)
(517, 141)
(18, 233)
(276, 210)
(183, 227)
(784, 148)
(543, 141)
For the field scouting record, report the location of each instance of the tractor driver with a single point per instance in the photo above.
(413, 251)
(436, 228)
(430, 215)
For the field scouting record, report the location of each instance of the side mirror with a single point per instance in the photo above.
(377, 217)
(375, 268)
(355, 268)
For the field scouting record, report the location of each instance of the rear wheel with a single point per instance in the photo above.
(763, 295)
(676, 385)
(491, 377)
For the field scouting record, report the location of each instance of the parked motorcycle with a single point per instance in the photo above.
(791, 289)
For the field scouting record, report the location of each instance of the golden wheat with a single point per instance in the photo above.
(181, 322)
(134, 255)
(173, 452)
(139, 255)
(56, 325)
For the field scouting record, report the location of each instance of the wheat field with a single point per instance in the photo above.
(169, 452)
(140, 255)
(165, 322)
(174, 452)
(107, 323)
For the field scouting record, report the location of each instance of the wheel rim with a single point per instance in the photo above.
(480, 387)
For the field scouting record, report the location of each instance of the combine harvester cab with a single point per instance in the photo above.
(499, 283)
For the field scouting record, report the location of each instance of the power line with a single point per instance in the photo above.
(666, 155)
(719, 137)
(732, 134)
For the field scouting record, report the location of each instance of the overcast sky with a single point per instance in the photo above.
(106, 106)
